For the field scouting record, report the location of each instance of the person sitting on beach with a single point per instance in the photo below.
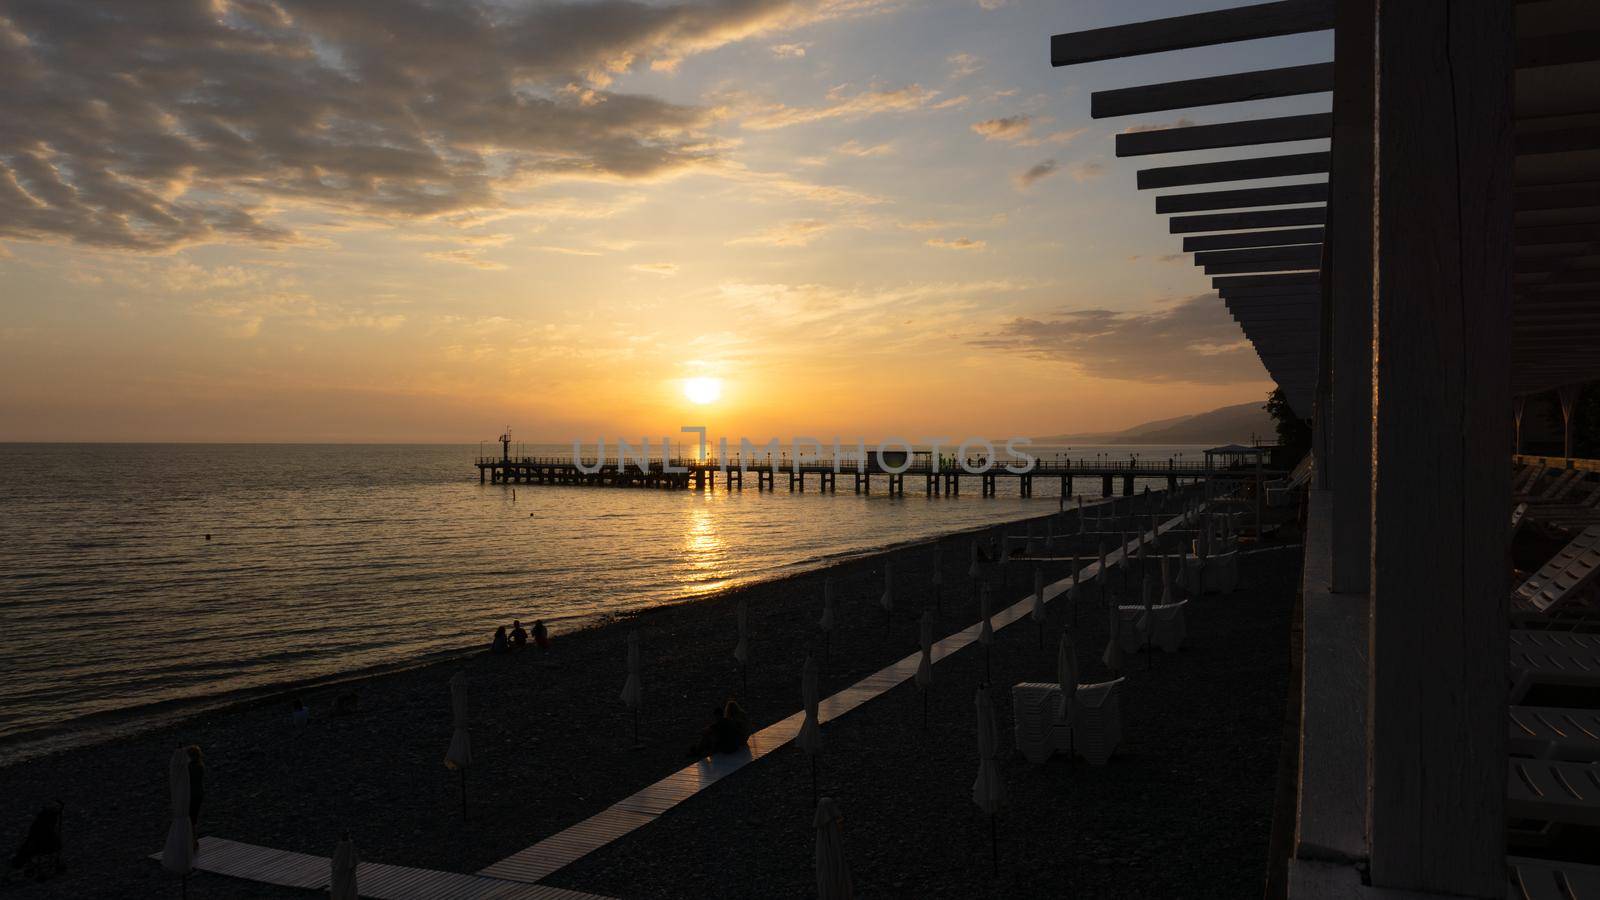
(735, 735)
(519, 637)
(541, 635)
(708, 737)
(300, 712)
(499, 645)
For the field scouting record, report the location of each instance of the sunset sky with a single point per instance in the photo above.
(386, 220)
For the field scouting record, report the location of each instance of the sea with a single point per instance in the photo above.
(140, 582)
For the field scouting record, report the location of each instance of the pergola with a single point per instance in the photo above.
(1447, 265)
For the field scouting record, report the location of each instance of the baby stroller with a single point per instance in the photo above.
(40, 853)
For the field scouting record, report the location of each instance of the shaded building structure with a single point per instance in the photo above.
(1408, 287)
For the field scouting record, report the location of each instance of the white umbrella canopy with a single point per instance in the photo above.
(925, 665)
(1037, 612)
(1113, 655)
(459, 756)
(986, 631)
(810, 737)
(342, 885)
(989, 790)
(178, 855)
(741, 651)
(826, 622)
(833, 872)
(887, 600)
(1067, 676)
(633, 690)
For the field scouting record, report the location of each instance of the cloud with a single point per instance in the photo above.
(1087, 170)
(963, 64)
(839, 105)
(1191, 341)
(1035, 173)
(1008, 128)
(991, 4)
(789, 51)
(1181, 122)
(957, 243)
(466, 256)
(153, 127)
(856, 148)
(664, 269)
(789, 234)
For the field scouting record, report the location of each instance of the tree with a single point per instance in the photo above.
(1294, 433)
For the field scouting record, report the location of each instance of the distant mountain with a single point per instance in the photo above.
(1219, 426)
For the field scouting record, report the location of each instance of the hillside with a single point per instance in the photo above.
(1230, 423)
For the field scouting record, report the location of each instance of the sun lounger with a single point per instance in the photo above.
(1566, 575)
(1545, 790)
(1549, 879)
(1216, 574)
(1546, 732)
(1095, 730)
(1170, 627)
(1553, 657)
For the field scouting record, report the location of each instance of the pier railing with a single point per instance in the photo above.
(1043, 466)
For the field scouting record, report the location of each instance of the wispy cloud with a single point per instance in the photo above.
(1191, 341)
(1036, 173)
(789, 51)
(842, 105)
(788, 234)
(1008, 128)
(467, 256)
(957, 243)
(665, 269)
(856, 148)
(963, 64)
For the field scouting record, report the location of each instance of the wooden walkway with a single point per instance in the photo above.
(557, 851)
(384, 882)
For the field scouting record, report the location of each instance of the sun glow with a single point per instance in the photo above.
(703, 390)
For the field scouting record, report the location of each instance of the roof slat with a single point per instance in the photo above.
(1282, 238)
(1228, 134)
(1234, 170)
(1261, 85)
(1223, 26)
(1282, 195)
(1238, 221)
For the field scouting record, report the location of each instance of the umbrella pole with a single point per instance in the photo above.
(994, 845)
(986, 678)
(813, 779)
(1041, 635)
(636, 726)
(744, 672)
(463, 793)
(924, 709)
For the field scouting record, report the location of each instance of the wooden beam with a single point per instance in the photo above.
(1551, 140)
(1238, 281)
(1438, 605)
(1239, 221)
(1223, 26)
(1311, 127)
(1311, 253)
(1559, 196)
(1260, 85)
(1242, 239)
(1277, 293)
(1558, 49)
(1234, 170)
(1556, 234)
(1241, 268)
(1246, 198)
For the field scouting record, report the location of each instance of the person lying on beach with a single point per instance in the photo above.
(499, 645)
(519, 637)
(541, 635)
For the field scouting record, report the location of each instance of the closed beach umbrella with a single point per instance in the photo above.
(1104, 572)
(810, 737)
(1113, 655)
(178, 855)
(887, 600)
(633, 689)
(1147, 619)
(925, 664)
(1073, 598)
(459, 756)
(833, 872)
(342, 885)
(1038, 613)
(1066, 676)
(988, 790)
(985, 630)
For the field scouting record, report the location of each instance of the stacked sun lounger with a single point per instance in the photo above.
(1041, 729)
(1563, 578)
(1545, 732)
(1548, 879)
(1167, 630)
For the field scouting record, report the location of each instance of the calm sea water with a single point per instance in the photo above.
(324, 559)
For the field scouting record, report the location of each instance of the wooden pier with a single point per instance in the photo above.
(942, 479)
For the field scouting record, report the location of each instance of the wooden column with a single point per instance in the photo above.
(1436, 730)
(1350, 243)
(1568, 395)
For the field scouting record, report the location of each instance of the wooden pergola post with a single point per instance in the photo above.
(1518, 407)
(1436, 736)
(1568, 395)
(1350, 237)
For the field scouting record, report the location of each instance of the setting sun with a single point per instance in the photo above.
(703, 390)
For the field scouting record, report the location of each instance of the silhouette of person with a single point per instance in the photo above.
(499, 645)
(519, 637)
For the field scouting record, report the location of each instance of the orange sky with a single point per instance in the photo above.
(863, 217)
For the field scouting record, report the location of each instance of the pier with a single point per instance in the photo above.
(941, 478)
